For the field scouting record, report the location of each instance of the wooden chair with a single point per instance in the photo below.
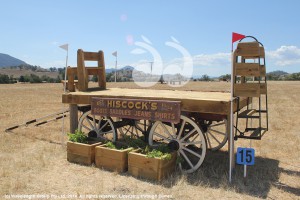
(82, 72)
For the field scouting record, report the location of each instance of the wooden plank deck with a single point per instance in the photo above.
(191, 101)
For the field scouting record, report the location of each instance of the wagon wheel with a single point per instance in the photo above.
(133, 128)
(216, 135)
(185, 137)
(97, 126)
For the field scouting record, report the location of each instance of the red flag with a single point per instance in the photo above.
(237, 36)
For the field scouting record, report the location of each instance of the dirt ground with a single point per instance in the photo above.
(33, 161)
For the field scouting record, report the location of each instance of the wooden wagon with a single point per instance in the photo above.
(189, 122)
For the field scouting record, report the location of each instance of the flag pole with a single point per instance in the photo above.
(231, 150)
(116, 55)
(65, 47)
(235, 37)
(116, 68)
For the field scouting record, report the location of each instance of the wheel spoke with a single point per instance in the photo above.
(163, 137)
(214, 137)
(191, 143)
(136, 132)
(103, 126)
(219, 124)
(208, 140)
(126, 130)
(91, 125)
(181, 129)
(95, 125)
(99, 122)
(166, 130)
(87, 128)
(107, 132)
(192, 152)
(186, 158)
(221, 133)
(178, 155)
(173, 129)
(188, 135)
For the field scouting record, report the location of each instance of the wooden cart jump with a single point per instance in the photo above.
(203, 117)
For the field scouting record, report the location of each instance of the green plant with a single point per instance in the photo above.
(110, 145)
(179, 160)
(78, 136)
(162, 151)
(134, 142)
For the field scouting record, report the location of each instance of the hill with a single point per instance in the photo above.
(7, 60)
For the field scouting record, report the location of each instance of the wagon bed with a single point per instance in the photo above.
(192, 101)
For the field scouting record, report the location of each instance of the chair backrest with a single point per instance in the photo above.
(83, 72)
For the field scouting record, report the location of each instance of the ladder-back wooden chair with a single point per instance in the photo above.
(82, 72)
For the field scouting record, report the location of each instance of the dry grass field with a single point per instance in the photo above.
(32, 160)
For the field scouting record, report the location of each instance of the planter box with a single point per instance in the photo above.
(112, 159)
(82, 153)
(150, 168)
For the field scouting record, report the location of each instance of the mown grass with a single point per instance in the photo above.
(34, 162)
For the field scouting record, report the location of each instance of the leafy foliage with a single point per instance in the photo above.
(78, 136)
(135, 142)
(111, 145)
(162, 152)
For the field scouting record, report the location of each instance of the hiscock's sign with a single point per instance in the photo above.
(155, 110)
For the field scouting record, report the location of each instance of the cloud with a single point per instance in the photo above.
(284, 56)
(210, 60)
(220, 63)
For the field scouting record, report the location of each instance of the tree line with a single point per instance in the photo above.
(32, 78)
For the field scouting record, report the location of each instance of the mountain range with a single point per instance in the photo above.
(7, 61)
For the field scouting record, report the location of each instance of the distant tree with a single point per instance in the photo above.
(225, 77)
(205, 77)
(58, 79)
(21, 79)
(34, 68)
(53, 69)
(108, 77)
(95, 78)
(61, 72)
(4, 79)
(34, 79)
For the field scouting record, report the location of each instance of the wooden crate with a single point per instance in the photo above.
(112, 159)
(81, 153)
(150, 168)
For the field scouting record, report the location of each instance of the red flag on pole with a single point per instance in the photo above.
(237, 36)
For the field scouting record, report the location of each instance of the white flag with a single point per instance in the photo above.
(115, 53)
(65, 47)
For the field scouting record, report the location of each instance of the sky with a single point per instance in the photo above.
(165, 32)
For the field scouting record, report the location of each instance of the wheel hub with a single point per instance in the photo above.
(92, 133)
(173, 145)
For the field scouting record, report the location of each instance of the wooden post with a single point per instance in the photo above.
(73, 117)
(101, 73)
(71, 86)
(81, 72)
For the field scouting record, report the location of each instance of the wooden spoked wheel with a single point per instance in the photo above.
(216, 135)
(133, 128)
(97, 126)
(185, 137)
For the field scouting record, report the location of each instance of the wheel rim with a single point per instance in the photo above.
(216, 135)
(101, 126)
(186, 137)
